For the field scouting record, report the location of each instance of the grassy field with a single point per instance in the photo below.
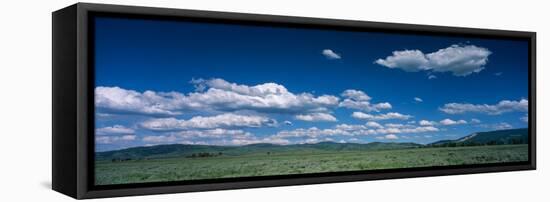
(261, 164)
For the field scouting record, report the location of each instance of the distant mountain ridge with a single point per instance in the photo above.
(512, 136)
(184, 150)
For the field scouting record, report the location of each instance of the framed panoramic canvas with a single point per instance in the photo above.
(152, 100)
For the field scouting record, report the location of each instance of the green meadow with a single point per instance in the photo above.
(258, 162)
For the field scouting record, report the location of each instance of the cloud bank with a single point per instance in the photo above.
(113, 134)
(501, 107)
(387, 116)
(228, 120)
(212, 95)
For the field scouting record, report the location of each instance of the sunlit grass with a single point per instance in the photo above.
(262, 164)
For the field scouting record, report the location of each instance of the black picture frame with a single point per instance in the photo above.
(73, 101)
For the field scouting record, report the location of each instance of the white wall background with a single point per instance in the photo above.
(25, 99)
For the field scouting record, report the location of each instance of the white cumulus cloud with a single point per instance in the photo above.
(114, 134)
(408, 60)
(461, 60)
(389, 115)
(330, 54)
(374, 124)
(118, 100)
(316, 117)
(356, 95)
(356, 99)
(448, 122)
(427, 123)
(496, 109)
(114, 130)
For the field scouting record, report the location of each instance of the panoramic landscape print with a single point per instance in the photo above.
(182, 101)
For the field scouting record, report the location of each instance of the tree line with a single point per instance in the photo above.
(204, 155)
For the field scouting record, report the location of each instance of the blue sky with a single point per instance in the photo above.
(162, 82)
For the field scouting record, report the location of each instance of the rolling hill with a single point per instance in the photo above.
(513, 136)
(183, 150)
